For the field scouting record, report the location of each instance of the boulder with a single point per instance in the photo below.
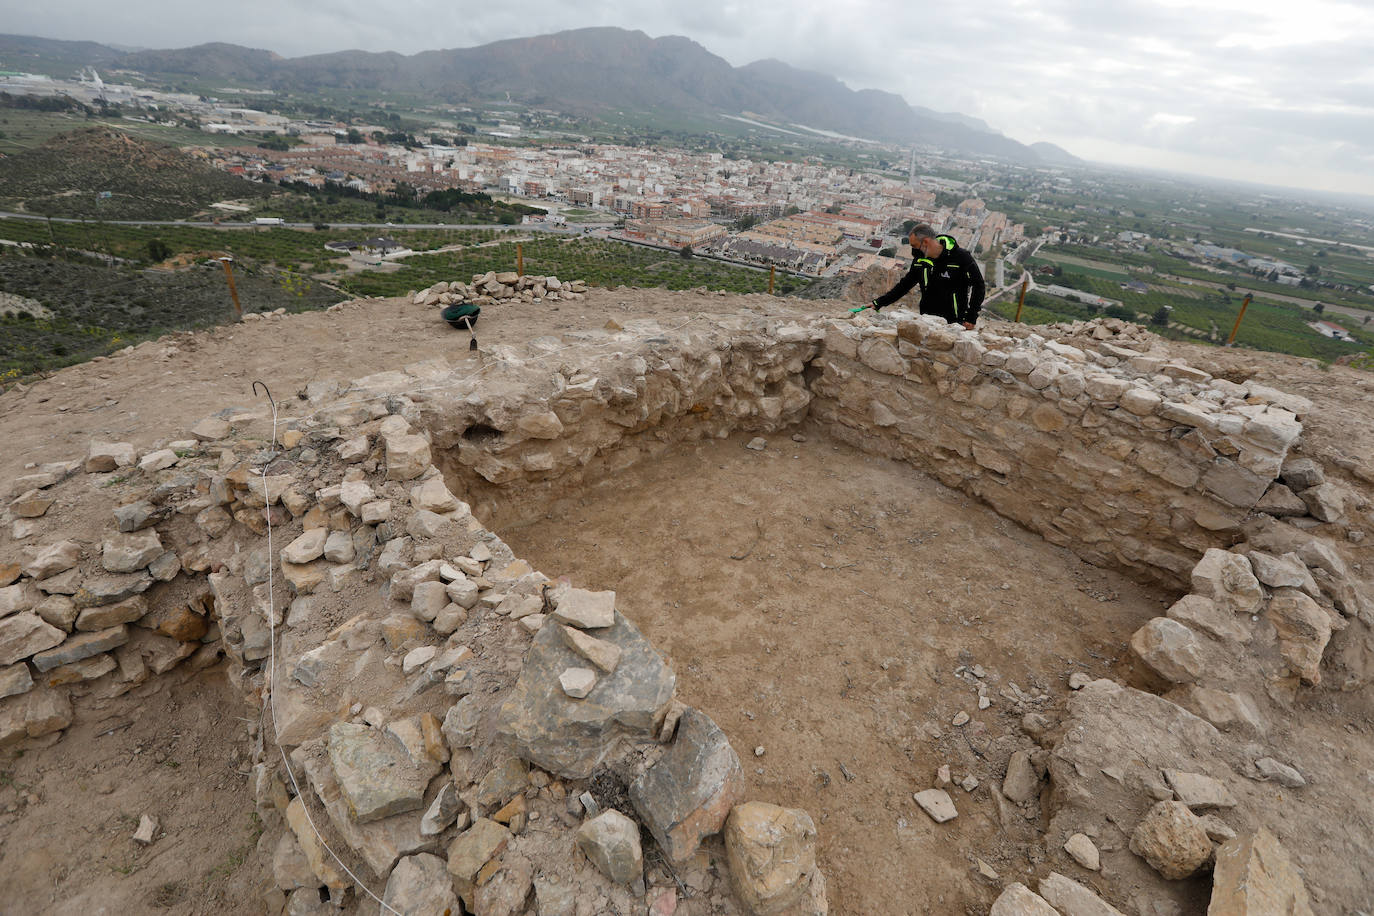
(419, 886)
(407, 457)
(567, 736)
(687, 795)
(1227, 579)
(1325, 502)
(611, 842)
(772, 857)
(19, 597)
(1169, 650)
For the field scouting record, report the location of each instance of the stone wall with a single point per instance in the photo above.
(1127, 459)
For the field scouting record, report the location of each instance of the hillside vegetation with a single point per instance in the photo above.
(64, 175)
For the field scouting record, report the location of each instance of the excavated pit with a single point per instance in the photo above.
(830, 608)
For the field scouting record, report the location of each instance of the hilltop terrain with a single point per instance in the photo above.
(837, 685)
(66, 174)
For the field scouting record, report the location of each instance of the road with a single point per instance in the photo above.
(1280, 297)
(1308, 238)
(579, 229)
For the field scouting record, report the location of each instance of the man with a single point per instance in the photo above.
(950, 281)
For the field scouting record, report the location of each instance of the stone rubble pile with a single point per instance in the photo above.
(493, 286)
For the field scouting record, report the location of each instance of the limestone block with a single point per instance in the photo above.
(1303, 629)
(24, 634)
(1204, 616)
(49, 560)
(1169, 649)
(1302, 473)
(1140, 401)
(307, 547)
(111, 615)
(407, 457)
(1287, 571)
(1197, 790)
(22, 596)
(433, 496)
(376, 774)
(1233, 484)
(1172, 840)
(14, 680)
(1224, 710)
(1073, 899)
(611, 842)
(542, 424)
(1325, 502)
(420, 884)
(476, 846)
(34, 714)
(567, 736)
(1019, 900)
(585, 609)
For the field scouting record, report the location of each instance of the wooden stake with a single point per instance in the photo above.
(233, 291)
(771, 269)
(1025, 281)
(1243, 306)
(519, 260)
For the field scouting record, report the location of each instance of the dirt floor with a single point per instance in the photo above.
(866, 607)
(175, 749)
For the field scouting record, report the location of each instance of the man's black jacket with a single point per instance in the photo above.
(951, 284)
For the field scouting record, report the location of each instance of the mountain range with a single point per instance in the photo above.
(583, 71)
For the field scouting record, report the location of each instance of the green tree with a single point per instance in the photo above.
(685, 252)
(158, 250)
(1319, 308)
(355, 136)
(1161, 315)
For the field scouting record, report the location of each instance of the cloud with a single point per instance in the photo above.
(1255, 81)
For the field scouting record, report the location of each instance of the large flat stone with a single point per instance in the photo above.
(25, 634)
(569, 736)
(376, 774)
(126, 553)
(687, 795)
(51, 559)
(420, 884)
(1254, 876)
(34, 714)
(82, 645)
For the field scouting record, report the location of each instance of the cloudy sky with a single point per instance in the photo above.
(1247, 89)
